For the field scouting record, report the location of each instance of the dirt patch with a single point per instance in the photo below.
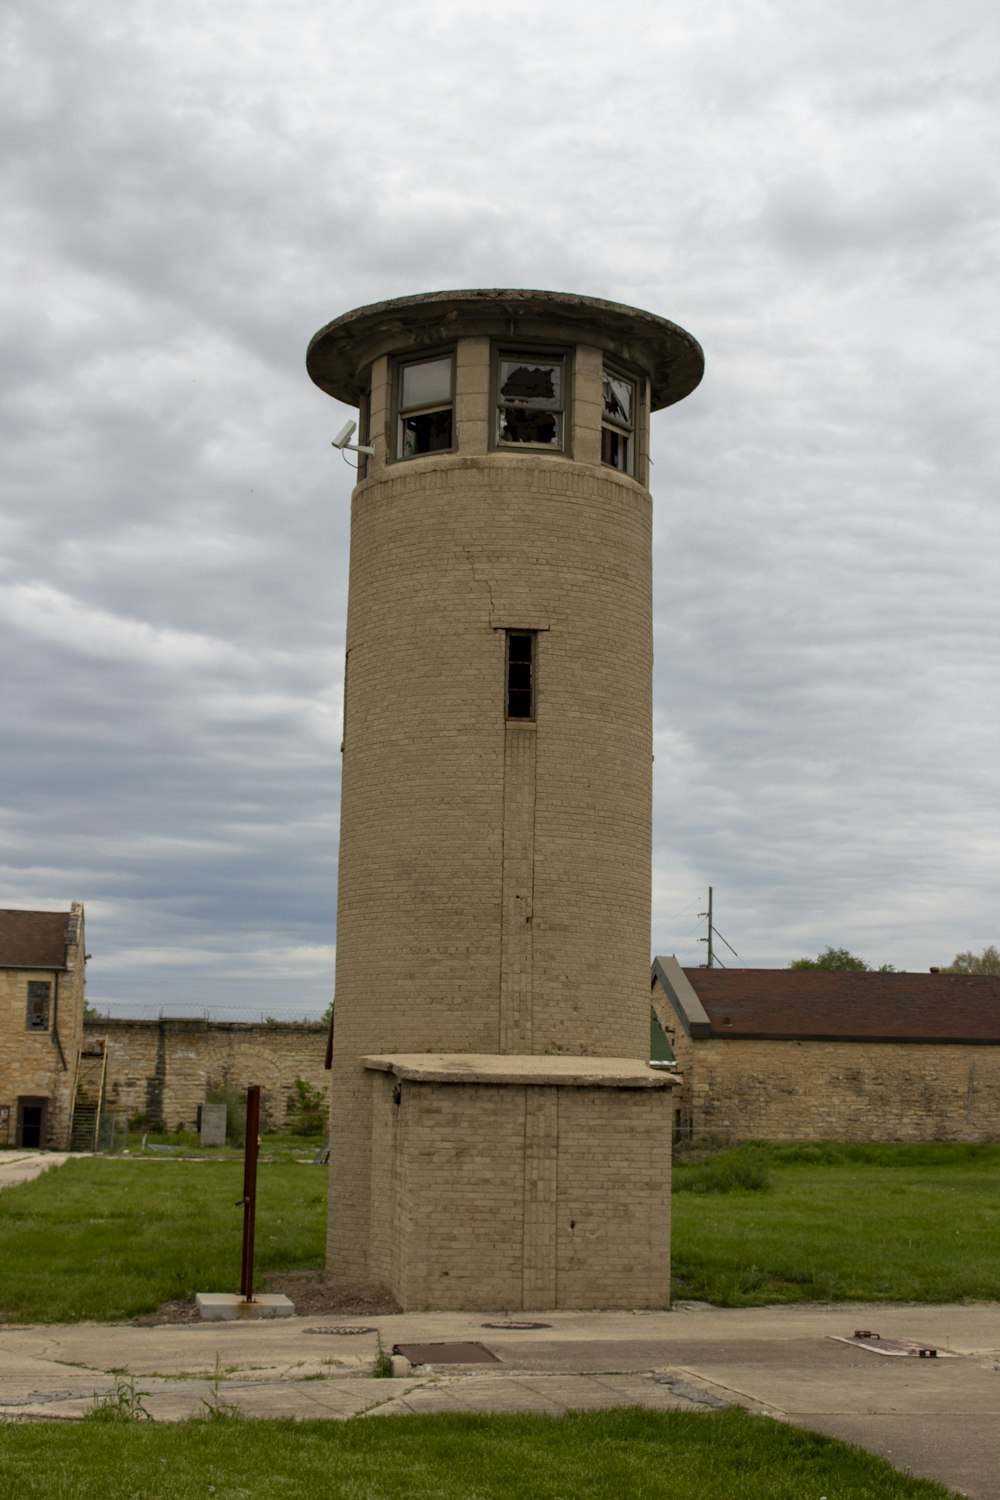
(313, 1292)
(310, 1291)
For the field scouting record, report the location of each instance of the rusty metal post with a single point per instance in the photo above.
(250, 1150)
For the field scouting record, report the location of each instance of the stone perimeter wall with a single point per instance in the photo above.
(163, 1069)
(737, 1091)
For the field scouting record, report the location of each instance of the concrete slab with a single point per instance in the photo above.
(21, 1166)
(230, 1307)
(939, 1419)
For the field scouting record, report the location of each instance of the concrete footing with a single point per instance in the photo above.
(216, 1307)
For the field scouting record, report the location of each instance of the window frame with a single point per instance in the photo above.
(364, 428)
(560, 354)
(627, 432)
(532, 688)
(42, 998)
(398, 412)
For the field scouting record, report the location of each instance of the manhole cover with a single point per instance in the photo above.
(446, 1354)
(517, 1325)
(344, 1330)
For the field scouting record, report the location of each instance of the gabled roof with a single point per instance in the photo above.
(815, 1005)
(34, 939)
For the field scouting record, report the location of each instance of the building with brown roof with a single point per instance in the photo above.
(42, 961)
(808, 1055)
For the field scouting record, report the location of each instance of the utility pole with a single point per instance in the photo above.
(711, 955)
(710, 964)
(712, 935)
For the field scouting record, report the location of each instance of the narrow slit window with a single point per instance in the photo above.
(618, 422)
(425, 406)
(520, 674)
(39, 999)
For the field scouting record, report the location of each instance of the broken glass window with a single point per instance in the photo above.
(530, 409)
(522, 424)
(618, 399)
(530, 382)
(617, 430)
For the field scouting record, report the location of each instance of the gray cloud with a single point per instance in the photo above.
(188, 194)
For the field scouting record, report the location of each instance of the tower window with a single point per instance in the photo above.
(425, 409)
(39, 996)
(618, 421)
(531, 400)
(520, 674)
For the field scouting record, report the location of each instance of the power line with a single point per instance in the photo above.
(674, 915)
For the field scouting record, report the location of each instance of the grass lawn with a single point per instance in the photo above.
(582, 1456)
(110, 1238)
(839, 1223)
(836, 1223)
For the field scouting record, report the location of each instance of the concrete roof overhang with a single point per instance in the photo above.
(340, 355)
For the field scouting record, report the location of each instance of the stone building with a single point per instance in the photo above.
(42, 962)
(805, 1055)
(497, 1135)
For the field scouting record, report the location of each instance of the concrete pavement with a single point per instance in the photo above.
(21, 1166)
(937, 1418)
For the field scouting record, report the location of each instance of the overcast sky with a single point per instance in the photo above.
(190, 190)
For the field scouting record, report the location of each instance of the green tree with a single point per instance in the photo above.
(987, 962)
(841, 960)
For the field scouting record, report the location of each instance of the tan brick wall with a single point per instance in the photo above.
(163, 1069)
(524, 1198)
(494, 880)
(42, 1064)
(442, 561)
(841, 1091)
(614, 1197)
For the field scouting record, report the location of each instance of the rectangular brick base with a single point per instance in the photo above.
(520, 1182)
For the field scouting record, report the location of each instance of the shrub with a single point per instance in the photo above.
(307, 1108)
(743, 1170)
(235, 1101)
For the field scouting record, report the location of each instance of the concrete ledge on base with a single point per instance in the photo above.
(540, 1071)
(216, 1307)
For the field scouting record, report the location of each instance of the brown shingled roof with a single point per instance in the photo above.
(806, 1003)
(33, 939)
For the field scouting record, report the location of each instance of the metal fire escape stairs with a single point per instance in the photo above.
(88, 1094)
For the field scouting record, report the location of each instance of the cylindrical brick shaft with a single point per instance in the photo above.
(494, 869)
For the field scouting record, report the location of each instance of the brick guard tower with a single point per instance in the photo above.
(498, 1138)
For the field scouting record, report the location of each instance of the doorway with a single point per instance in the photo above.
(31, 1112)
